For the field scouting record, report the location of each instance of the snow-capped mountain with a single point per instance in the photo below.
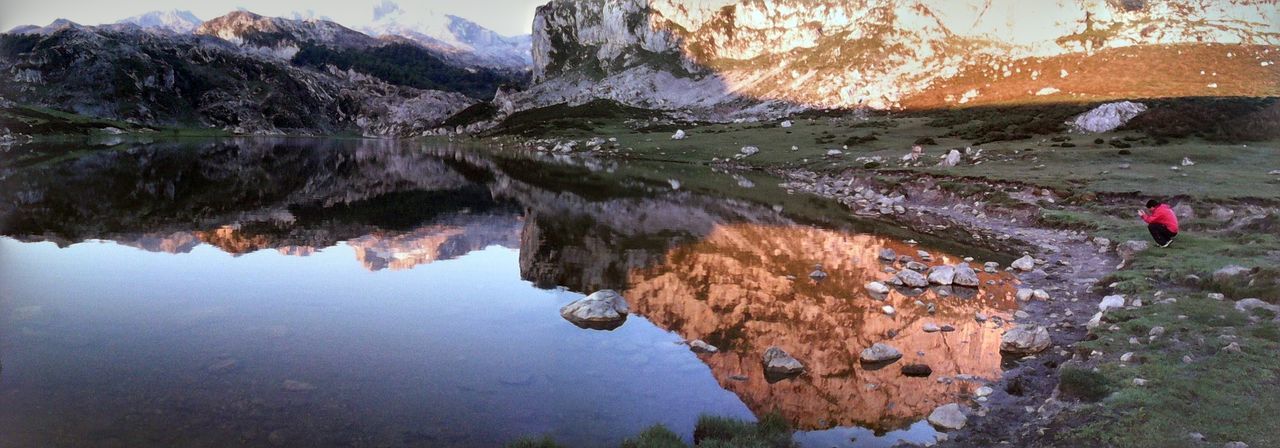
(462, 40)
(174, 21)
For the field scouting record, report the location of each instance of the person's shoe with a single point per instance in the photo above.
(1167, 243)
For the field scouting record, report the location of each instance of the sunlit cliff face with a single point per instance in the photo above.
(745, 287)
(431, 243)
(883, 54)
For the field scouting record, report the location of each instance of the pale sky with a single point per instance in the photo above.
(507, 17)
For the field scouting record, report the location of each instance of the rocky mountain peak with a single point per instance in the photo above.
(174, 21)
(248, 29)
(460, 39)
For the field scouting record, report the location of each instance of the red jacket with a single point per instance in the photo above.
(1163, 215)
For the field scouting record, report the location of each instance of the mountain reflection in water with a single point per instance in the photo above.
(731, 272)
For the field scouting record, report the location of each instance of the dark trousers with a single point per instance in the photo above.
(1161, 233)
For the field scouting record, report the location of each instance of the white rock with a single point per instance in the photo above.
(1186, 161)
(1026, 263)
(948, 416)
(1024, 294)
(786, 124)
(930, 327)
(701, 346)
(888, 309)
(952, 159)
(601, 308)
(1106, 117)
(984, 391)
(942, 275)
(1025, 339)
(877, 288)
(965, 276)
(1111, 302)
(1128, 356)
(748, 151)
(679, 135)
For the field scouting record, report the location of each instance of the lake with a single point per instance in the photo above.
(315, 292)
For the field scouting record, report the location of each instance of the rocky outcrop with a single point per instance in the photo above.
(1107, 117)
(778, 55)
(200, 81)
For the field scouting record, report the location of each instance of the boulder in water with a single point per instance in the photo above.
(942, 275)
(1026, 263)
(778, 362)
(602, 310)
(948, 416)
(912, 278)
(877, 288)
(880, 352)
(965, 276)
(1025, 339)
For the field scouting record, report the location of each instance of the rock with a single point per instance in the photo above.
(786, 124)
(679, 135)
(880, 352)
(1217, 296)
(1248, 305)
(965, 276)
(602, 310)
(1026, 263)
(777, 361)
(1186, 161)
(952, 159)
(877, 288)
(748, 151)
(917, 266)
(1106, 117)
(942, 275)
(912, 278)
(983, 391)
(1229, 272)
(1235, 445)
(888, 255)
(1094, 321)
(917, 370)
(1128, 249)
(700, 346)
(297, 386)
(1040, 294)
(1025, 339)
(888, 309)
(991, 267)
(1233, 347)
(930, 327)
(817, 274)
(1111, 302)
(1024, 294)
(834, 152)
(980, 317)
(947, 416)
(1156, 332)
(1139, 382)
(948, 328)
(1020, 315)
(924, 255)
(1222, 214)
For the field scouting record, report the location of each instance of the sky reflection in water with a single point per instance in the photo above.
(386, 296)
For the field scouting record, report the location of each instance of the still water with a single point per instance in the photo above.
(258, 292)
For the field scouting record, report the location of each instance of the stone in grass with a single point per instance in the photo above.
(948, 416)
(1111, 302)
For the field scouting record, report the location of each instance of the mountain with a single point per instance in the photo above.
(173, 21)
(320, 43)
(740, 58)
(130, 74)
(459, 39)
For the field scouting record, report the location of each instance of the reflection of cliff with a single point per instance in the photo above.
(745, 287)
(435, 242)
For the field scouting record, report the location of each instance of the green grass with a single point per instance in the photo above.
(1225, 396)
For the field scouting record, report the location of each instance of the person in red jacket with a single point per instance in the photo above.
(1160, 221)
